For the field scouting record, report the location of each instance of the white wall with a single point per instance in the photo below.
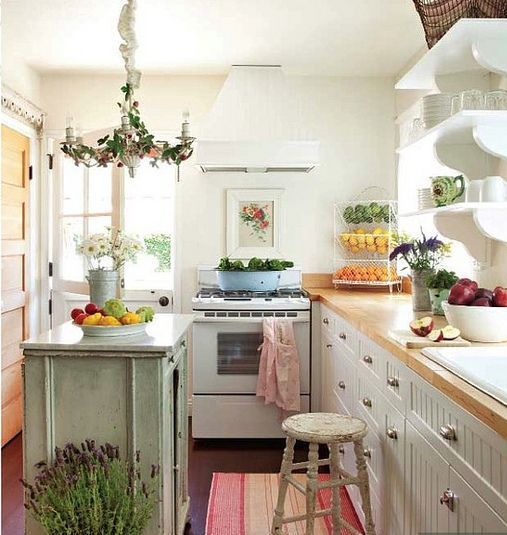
(352, 117)
(19, 76)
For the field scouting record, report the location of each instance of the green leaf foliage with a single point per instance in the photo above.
(254, 264)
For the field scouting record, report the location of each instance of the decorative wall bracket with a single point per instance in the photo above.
(19, 107)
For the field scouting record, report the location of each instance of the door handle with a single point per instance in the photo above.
(367, 402)
(163, 301)
(368, 359)
(367, 453)
(341, 385)
(342, 336)
(448, 498)
(325, 321)
(391, 432)
(448, 432)
(329, 345)
(393, 381)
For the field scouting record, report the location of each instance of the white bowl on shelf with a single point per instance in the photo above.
(478, 324)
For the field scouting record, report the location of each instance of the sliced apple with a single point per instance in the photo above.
(422, 327)
(436, 336)
(450, 332)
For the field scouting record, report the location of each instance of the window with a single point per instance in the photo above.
(87, 201)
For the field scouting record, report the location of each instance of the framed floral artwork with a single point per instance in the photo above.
(254, 220)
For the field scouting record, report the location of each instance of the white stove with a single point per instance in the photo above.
(227, 334)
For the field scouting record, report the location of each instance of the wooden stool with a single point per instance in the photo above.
(331, 429)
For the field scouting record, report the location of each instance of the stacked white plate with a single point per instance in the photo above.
(424, 199)
(435, 108)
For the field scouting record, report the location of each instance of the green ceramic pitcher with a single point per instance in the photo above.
(446, 189)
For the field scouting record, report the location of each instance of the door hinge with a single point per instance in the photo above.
(50, 307)
(50, 269)
(50, 161)
(30, 172)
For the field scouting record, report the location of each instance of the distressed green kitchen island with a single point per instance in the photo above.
(130, 391)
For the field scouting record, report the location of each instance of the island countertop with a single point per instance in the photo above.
(375, 314)
(162, 335)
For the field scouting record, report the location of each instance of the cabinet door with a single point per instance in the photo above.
(344, 377)
(327, 400)
(180, 447)
(427, 478)
(394, 470)
(470, 513)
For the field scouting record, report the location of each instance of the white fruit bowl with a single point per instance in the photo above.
(478, 324)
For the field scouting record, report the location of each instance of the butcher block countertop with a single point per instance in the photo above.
(375, 314)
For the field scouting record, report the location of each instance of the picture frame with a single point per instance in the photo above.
(254, 223)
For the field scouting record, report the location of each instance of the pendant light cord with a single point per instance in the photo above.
(126, 29)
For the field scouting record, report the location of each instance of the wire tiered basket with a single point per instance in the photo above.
(364, 236)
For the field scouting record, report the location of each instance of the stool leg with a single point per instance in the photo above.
(334, 456)
(288, 456)
(364, 487)
(311, 486)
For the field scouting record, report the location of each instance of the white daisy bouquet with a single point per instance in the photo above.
(109, 250)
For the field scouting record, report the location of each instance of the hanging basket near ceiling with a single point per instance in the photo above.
(438, 16)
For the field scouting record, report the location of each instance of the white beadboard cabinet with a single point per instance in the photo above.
(421, 482)
(130, 391)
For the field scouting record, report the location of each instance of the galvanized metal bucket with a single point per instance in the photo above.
(103, 285)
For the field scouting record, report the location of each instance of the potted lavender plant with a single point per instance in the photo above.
(423, 255)
(91, 490)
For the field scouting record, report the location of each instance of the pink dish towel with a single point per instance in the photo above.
(278, 380)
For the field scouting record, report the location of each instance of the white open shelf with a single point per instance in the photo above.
(460, 207)
(470, 45)
(462, 128)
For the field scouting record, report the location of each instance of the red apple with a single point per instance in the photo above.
(422, 326)
(79, 320)
(468, 282)
(75, 312)
(481, 302)
(91, 308)
(461, 294)
(484, 292)
(450, 333)
(436, 336)
(500, 297)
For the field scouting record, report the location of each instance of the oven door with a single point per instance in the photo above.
(226, 355)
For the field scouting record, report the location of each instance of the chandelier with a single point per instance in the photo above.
(128, 144)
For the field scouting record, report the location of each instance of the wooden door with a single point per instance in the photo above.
(15, 299)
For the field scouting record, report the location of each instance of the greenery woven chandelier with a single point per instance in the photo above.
(128, 144)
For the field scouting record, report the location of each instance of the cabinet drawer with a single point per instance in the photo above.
(344, 380)
(327, 321)
(470, 446)
(369, 403)
(346, 335)
(396, 382)
(371, 359)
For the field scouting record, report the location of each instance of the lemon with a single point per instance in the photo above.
(378, 231)
(360, 231)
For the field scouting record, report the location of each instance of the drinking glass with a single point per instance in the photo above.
(472, 99)
(496, 99)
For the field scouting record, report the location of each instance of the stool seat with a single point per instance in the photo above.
(324, 428)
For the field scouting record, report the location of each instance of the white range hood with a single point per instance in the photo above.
(255, 127)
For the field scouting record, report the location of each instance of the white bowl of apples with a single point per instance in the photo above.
(480, 314)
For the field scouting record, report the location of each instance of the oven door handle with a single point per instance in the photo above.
(198, 319)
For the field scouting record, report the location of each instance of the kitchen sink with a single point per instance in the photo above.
(483, 367)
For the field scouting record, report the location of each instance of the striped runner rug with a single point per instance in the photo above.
(243, 504)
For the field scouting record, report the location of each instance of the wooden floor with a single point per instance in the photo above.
(205, 457)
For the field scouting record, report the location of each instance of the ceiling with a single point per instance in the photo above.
(318, 37)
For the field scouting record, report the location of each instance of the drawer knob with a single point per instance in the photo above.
(393, 381)
(325, 321)
(342, 336)
(392, 433)
(341, 450)
(447, 498)
(368, 359)
(341, 385)
(367, 402)
(329, 345)
(367, 453)
(448, 432)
